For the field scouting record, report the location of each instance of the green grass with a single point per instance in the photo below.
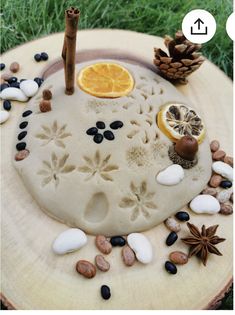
(23, 20)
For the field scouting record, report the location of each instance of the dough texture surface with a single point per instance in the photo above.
(108, 188)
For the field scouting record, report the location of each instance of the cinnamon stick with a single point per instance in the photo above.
(69, 48)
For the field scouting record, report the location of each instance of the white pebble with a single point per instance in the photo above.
(172, 175)
(69, 241)
(223, 169)
(29, 87)
(141, 246)
(205, 204)
(4, 115)
(224, 195)
(13, 94)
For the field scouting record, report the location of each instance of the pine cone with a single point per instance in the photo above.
(184, 58)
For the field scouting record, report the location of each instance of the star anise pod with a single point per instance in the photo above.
(202, 243)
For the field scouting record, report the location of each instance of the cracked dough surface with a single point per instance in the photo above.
(106, 188)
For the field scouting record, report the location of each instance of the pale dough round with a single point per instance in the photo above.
(108, 188)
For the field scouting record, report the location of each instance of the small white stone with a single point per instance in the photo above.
(205, 204)
(224, 195)
(4, 115)
(69, 241)
(223, 169)
(29, 87)
(141, 246)
(172, 175)
(13, 94)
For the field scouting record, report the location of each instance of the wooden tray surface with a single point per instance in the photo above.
(34, 278)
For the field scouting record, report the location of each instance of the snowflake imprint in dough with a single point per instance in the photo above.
(54, 133)
(98, 166)
(139, 200)
(53, 170)
(138, 156)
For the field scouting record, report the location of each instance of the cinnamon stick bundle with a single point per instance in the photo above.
(69, 48)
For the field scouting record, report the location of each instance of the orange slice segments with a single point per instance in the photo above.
(108, 80)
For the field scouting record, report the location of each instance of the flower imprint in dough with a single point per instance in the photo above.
(54, 133)
(53, 170)
(139, 200)
(138, 156)
(99, 166)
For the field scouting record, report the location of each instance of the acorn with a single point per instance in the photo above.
(187, 147)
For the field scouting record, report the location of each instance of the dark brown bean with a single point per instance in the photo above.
(14, 67)
(226, 209)
(228, 160)
(46, 95)
(45, 106)
(214, 145)
(86, 268)
(209, 191)
(178, 258)
(215, 180)
(218, 155)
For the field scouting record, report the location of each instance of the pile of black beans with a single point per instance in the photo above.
(99, 133)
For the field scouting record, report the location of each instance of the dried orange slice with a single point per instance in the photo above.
(105, 79)
(178, 120)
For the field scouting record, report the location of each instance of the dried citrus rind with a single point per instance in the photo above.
(105, 79)
(177, 120)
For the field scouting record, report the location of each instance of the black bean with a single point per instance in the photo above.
(23, 125)
(92, 131)
(100, 125)
(15, 85)
(37, 57)
(21, 135)
(20, 146)
(44, 56)
(12, 80)
(109, 135)
(171, 239)
(26, 113)
(116, 124)
(2, 66)
(4, 86)
(117, 241)
(182, 216)
(170, 267)
(105, 292)
(7, 105)
(226, 184)
(39, 81)
(98, 138)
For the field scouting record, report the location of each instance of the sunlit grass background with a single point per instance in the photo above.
(23, 20)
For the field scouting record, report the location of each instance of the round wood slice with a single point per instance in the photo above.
(35, 278)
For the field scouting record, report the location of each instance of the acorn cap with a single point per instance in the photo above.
(186, 147)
